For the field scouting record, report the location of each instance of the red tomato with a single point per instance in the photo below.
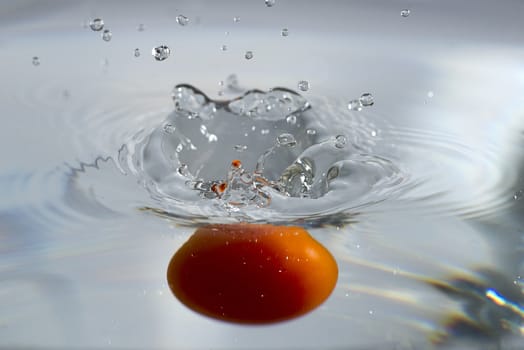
(251, 273)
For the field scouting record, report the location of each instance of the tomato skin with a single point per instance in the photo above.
(252, 273)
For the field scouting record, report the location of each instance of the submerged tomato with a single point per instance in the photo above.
(250, 273)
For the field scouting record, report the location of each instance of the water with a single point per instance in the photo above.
(161, 53)
(423, 211)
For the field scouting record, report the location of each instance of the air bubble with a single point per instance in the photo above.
(269, 3)
(36, 61)
(160, 53)
(405, 12)
(286, 140)
(107, 35)
(248, 55)
(340, 141)
(240, 148)
(182, 20)
(303, 85)
(311, 131)
(366, 99)
(291, 119)
(137, 52)
(169, 128)
(285, 32)
(96, 25)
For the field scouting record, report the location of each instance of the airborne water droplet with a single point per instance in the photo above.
(248, 55)
(36, 61)
(137, 52)
(366, 99)
(269, 3)
(340, 141)
(303, 85)
(97, 24)
(107, 35)
(405, 12)
(161, 53)
(182, 20)
(285, 32)
(286, 140)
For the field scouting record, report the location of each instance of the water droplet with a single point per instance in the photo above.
(236, 19)
(430, 94)
(212, 138)
(169, 128)
(370, 312)
(373, 133)
(340, 141)
(182, 20)
(269, 3)
(107, 35)
(285, 32)
(137, 52)
(518, 195)
(140, 27)
(405, 12)
(291, 119)
(366, 99)
(311, 131)
(303, 85)
(223, 47)
(286, 140)
(97, 24)
(36, 61)
(240, 148)
(355, 105)
(161, 53)
(248, 55)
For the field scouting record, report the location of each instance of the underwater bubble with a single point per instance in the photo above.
(182, 20)
(311, 131)
(291, 119)
(169, 128)
(286, 140)
(36, 61)
(137, 52)
(160, 53)
(248, 55)
(303, 85)
(140, 27)
(240, 148)
(355, 105)
(236, 19)
(269, 3)
(366, 99)
(284, 32)
(223, 47)
(405, 12)
(340, 141)
(97, 24)
(107, 35)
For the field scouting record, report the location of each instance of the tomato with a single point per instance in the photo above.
(252, 273)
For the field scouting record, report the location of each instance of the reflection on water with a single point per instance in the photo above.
(434, 259)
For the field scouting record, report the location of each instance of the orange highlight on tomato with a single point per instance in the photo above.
(252, 273)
